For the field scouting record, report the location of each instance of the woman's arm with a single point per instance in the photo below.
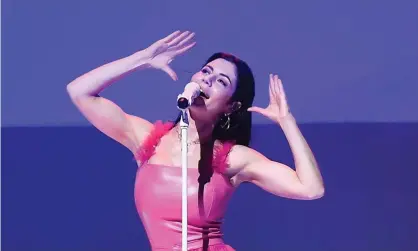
(303, 183)
(306, 165)
(105, 115)
(102, 113)
(93, 82)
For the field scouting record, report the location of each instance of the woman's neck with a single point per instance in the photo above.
(199, 130)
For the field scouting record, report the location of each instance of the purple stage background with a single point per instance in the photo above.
(350, 74)
(339, 61)
(57, 194)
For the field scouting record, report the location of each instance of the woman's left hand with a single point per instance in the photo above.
(277, 109)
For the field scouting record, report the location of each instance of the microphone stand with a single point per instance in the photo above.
(184, 125)
(183, 104)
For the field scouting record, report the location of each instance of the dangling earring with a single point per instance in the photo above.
(227, 124)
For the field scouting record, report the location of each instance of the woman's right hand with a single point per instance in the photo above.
(160, 54)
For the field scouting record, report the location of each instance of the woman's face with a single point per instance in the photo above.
(218, 80)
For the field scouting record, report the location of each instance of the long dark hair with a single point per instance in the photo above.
(236, 126)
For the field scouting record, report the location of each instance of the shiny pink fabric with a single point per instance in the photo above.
(158, 200)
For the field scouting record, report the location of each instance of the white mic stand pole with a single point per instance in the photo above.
(183, 104)
(184, 125)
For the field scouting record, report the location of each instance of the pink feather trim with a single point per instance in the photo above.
(160, 128)
(147, 148)
(220, 158)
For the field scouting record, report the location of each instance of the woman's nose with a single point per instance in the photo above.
(207, 80)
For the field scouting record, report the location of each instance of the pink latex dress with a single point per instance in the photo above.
(158, 200)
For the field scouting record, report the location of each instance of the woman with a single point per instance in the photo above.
(219, 132)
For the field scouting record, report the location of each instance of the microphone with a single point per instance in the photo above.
(191, 91)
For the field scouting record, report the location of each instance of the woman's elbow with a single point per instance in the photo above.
(314, 194)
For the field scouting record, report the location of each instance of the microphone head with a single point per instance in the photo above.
(182, 103)
(191, 91)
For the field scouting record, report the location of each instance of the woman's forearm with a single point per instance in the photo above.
(93, 82)
(305, 163)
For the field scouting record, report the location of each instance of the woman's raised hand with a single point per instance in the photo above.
(160, 54)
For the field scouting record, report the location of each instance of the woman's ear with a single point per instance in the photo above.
(235, 106)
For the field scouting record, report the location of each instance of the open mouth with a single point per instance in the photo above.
(203, 95)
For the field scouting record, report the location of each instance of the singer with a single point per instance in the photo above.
(219, 133)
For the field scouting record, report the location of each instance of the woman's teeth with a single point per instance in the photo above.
(204, 95)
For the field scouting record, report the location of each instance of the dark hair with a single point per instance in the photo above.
(240, 121)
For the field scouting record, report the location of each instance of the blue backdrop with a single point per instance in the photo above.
(350, 73)
(58, 194)
(340, 61)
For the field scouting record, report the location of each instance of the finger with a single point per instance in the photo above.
(170, 72)
(170, 37)
(277, 80)
(281, 89)
(256, 109)
(186, 39)
(283, 98)
(179, 38)
(184, 48)
(273, 96)
(261, 111)
(276, 88)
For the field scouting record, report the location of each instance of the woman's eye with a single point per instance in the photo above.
(222, 82)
